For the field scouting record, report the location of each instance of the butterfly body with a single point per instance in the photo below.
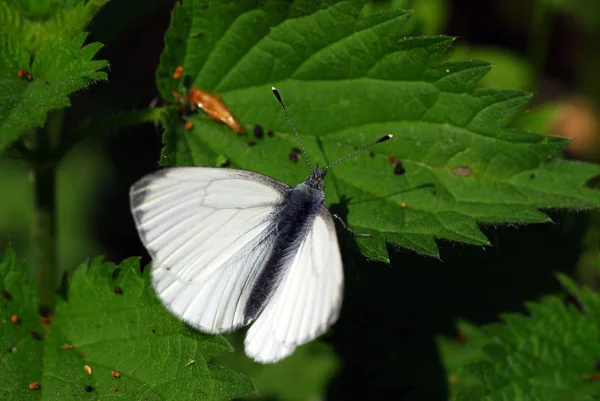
(292, 223)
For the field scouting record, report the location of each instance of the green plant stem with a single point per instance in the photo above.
(44, 223)
(44, 234)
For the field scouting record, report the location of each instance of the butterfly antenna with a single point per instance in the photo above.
(278, 96)
(383, 139)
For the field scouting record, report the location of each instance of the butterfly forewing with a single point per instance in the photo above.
(209, 232)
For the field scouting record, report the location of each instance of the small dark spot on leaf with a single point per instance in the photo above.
(154, 331)
(44, 311)
(7, 295)
(118, 290)
(398, 168)
(462, 171)
(460, 338)
(34, 386)
(204, 6)
(115, 389)
(258, 131)
(10, 349)
(597, 366)
(89, 389)
(115, 374)
(532, 176)
(296, 151)
(251, 143)
(391, 159)
(81, 354)
(371, 154)
(30, 77)
(36, 335)
(293, 157)
(270, 133)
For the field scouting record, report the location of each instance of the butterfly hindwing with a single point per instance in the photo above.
(307, 300)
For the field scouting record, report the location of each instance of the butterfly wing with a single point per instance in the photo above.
(209, 233)
(308, 299)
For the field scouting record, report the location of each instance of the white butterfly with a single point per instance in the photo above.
(230, 247)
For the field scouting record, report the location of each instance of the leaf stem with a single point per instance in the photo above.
(44, 164)
(44, 233)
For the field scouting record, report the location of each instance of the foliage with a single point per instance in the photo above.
(303, 376)
(510, 71)
(53, 54)
(463, 165)
(110, 321)
(551, 354)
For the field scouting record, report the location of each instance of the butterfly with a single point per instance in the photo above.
(233, 247)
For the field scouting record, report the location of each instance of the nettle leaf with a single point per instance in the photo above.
(35, 23)
(59, 69)
(464, 348)
(100, 329)
(350, 73)
(553, 354)
(289, 379)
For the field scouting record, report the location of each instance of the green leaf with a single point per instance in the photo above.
(540, 119)
(510, 71)
(431, 15)
(128, 331)
(60, 68)
(465, 348)
(550, 355)
(349, 73)
(36, 23)
(289, 379)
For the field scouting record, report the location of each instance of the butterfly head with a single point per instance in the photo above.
(315, 180)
